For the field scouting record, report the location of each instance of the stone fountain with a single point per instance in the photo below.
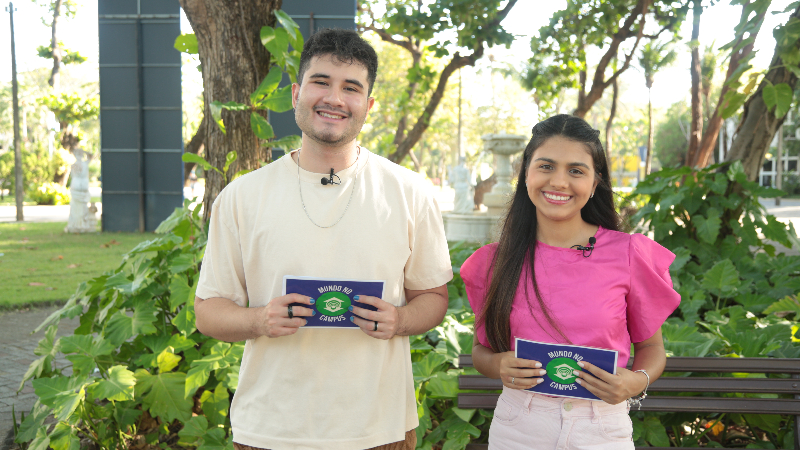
(480, 226)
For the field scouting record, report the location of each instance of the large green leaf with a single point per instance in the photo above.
(783, 99)
(118, 386)
(708, 228)
(180, 292)
(184, 321)
(425, 368)
(64, 438)
(685, 340)
(276, 40)
(290, 25)
(722, 279)
(287, 143)
(260, 126)
(162, 395)
(787, 304)
(769, 94)
(32, 423)
(655, 433)
(215, 439)
(216, 114)
(63, 394)
(193, 430)
(215, 405)
(186, 43)
(443, 385)
(122, 327)
(279, 100)
(269, 84)
(197, 159)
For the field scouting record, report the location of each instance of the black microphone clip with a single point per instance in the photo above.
(329, 180)
(583, 249)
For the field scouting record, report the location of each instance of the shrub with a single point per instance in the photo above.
(50, 194)
(738, 294)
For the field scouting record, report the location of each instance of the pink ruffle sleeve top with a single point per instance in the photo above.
(619, 295)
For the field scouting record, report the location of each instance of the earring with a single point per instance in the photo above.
(592, 196)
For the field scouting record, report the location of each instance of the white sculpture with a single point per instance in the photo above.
(460, 180)
(82, 217)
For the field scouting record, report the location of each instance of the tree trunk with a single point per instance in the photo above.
(54, 47)
(715, 122)
(649, 158)
(234, 63)
(758, 125)
(194, 146)
(611, 114)
(697, 106)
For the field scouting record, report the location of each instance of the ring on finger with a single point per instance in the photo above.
(291, 315)
(512, 380)
(376, 326)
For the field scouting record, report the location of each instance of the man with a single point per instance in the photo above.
(325, 388)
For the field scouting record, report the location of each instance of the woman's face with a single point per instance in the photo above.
(560, 180)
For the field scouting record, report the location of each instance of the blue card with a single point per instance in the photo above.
(333, 297)
(560, 361)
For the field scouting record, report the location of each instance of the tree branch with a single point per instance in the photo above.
(458, 61)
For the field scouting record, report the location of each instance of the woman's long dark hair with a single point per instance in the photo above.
(518, 239)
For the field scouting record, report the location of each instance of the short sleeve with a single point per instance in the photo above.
(651, 298)
(475, 273)
(428, 266)
(222, 272)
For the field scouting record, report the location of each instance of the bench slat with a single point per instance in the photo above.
(674, 404)
(676, 384)
(691, 364)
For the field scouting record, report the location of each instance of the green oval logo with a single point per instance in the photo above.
(560, 370)
(333, 304)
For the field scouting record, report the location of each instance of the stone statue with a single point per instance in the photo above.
(460, 180)
(82, 218)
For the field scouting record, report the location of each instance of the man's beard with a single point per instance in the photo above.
(324, 137)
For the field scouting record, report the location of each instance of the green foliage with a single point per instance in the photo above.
(738, 294)
(135, 353)
(50, 194)
(434, 357)
(560, 48)
(71, 108)
(654, 57)
(268, 96)
(67, 57)
(38, 167)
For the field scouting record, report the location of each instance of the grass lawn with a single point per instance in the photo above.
(39, 263)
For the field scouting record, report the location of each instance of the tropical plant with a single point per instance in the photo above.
(50, 194)
(739, 293)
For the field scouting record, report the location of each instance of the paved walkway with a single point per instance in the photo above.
(16, 353)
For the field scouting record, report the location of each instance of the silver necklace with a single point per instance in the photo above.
(300, 189)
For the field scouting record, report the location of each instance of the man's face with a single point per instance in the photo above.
(331, 103)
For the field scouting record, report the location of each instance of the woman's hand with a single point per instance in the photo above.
(612, 389)
(518, 373)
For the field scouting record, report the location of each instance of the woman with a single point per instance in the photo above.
(563, 273)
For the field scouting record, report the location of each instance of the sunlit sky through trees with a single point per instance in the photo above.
(80, 34)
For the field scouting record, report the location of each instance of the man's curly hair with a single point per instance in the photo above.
(346, 46)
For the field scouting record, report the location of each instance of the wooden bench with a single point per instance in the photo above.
(741, 405)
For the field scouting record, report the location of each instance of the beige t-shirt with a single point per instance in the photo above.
(324, 388)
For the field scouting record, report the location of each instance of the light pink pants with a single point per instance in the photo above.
(524, 420)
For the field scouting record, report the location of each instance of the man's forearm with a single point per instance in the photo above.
(223, 319)
(421, 314)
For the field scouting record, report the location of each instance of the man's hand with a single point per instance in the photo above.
(274, 318)
(380, 324)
